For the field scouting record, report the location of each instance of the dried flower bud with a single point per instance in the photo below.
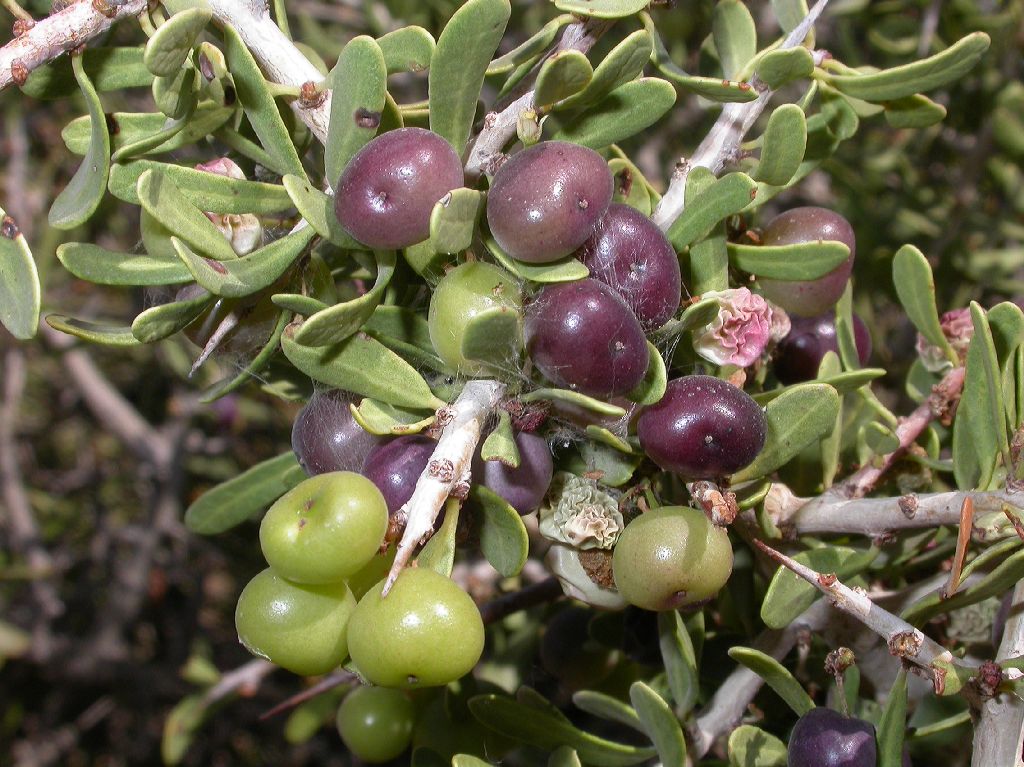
(958, 328)
(740, 332)
(580, 514)
(781, 325)
(243, 230)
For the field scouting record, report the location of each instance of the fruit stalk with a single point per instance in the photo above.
(721, 145)
(448, 467)
(58, 33)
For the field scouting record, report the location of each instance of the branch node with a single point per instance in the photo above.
(905, 644)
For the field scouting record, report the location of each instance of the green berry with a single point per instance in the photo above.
(376, 723)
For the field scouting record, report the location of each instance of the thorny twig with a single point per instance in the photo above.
(722, 144)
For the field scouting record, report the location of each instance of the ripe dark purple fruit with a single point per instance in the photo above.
(703, 428)
(630, 254)
(395, 465)
(524, 486)
(825, 738)
(325, 436)
(387, 191)
(545, 201)
(582, 336)
(799, 353)
(809, 298)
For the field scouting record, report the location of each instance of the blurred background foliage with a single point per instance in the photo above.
(110, 613)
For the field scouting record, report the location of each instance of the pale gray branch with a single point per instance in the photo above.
(999, 732)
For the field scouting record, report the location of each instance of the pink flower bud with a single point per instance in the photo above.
(243, 230)
(958, 328)
(740, 332)
(222, 166)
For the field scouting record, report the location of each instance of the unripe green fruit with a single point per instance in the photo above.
(301, 628)
(671, 557)
(475, 319)
(425, 632)
(376, 723)
(325, 529)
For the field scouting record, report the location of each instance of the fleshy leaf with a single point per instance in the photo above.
(751, 746)
(453, 220)
(575, 398)
(243, 496)
(408, 49)
(133, 133)
(624, 112)
(358, 85)
(387, 420)
(602, 9)
(734, 35)
(318, 209)
(362, 365)
(607, 707)
(776, 676)
(159, 322)
(782, 145)
(914, 112)
(796, 419)
(918, 76)
(893, 724)
(709, 203)
(210, 192)
(464, 50)
(624, 63)
(438, 554)
(172, 42)
(500, 444)
(915, 286)
(659, 722)
(529, 49)
(677, 654)
(566, 269)
(652, 387)
(163, 200)
(105, 267)
(781, 67)
(564, 74)
(802, 261)
(503, 538)
(338, 322)
(20, 295)
(109, 69)
(81, 196)
(95, 332)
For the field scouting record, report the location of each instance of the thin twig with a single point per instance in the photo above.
(999, 732)
(722, 144)
(244, 679)
(329, 682)
(50, 37)
(535, 594)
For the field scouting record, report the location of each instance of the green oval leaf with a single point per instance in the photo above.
(358, 86)
(133, 133)
(408, 49)
(20, 295)
(338, 322)
(575, 398)
(387, 420)
(914, 112)
(438, 554)
(782, 66)
(453, 220)
(546, 730)
(775, 676)
(602, 9)
(652, 387)
(159, 322)
(172, 42)
(164, 201)
(81, 196)
(796, 418)
(177, 95)
(924, 75)
(562, 75)
(105, 267)
(504, 541)
(680, 661)
(531, 48)
(607, 707)
(659, 722)
(782, 145)
(250, 273)
(625, 62)
(624, 112)
(804, 261)
(915, 287)
(259, 105)
(94, 332)
(109, 69)
(753, 747)
(566, 269)
(463, 53)
(207, 191)
(893, 724)
(362, 365)
(734, 35)
(243, 496)
(500, 444)
(706, 206)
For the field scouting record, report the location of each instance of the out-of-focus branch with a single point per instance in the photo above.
(939, 404)
(722, 144)
(69, 28)
(500, 126)
(535, 594)
(244, 679)
(999, 732)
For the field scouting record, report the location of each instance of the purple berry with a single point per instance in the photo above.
(582, 336)
(825, 738)
(325, 436)
(629, 253)
(545, 201)
(388, 190)
(703, 428)
(524, 486)
(395, 465)
(808, 298)
(800, 353)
